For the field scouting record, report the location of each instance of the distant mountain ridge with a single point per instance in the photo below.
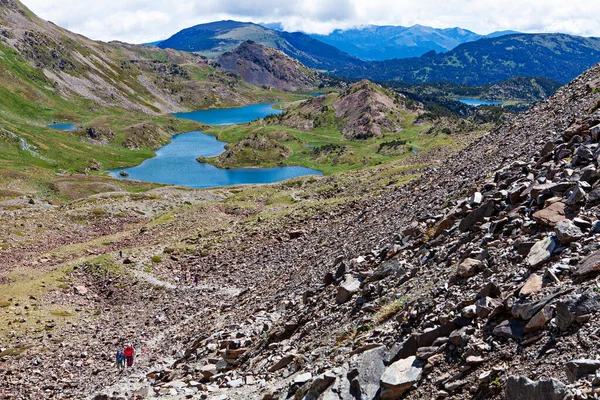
(377, 43)
(215, 38)
(559, 57)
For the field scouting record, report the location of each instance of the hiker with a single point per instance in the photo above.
(196, 279)
(120, 360)
(121, 253)
(129, 353)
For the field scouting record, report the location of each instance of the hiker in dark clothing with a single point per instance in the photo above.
(196, 279)
(129, 353)
(120, 360)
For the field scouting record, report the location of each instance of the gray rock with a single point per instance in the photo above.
(567, 232)
(577, 195)
(388, 268)
(542, 251)
(527, 310)
(512, 329)
(575, 308)
(370, 367)
(349, 286)
(477, 215)
(578, 369)
(522, 388)
(488, 307)
(400, 376)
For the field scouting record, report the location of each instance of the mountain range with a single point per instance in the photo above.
(214, 39)
(379, 43)
(479, 61)
(556, 56)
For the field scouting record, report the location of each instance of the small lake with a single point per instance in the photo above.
(175, 163)
(231, 116)
(64, 127)
(477, 102)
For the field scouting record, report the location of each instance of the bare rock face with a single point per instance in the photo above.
(261, 65)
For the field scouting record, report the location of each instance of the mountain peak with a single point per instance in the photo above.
(262, 65)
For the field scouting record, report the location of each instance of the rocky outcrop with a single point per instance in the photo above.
(261, 65)
(145, 135)
(362, 111)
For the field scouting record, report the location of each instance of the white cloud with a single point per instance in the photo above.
(139, 21)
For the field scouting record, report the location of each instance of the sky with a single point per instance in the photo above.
(141, 21)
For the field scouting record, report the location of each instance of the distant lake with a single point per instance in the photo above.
(64, 127)
(230, 116)
(175, 163)
(476, 102)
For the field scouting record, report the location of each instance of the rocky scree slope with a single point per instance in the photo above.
(261, 65)
(362, 111)
(476, 281)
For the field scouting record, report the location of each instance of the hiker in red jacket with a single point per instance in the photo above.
(129, 353)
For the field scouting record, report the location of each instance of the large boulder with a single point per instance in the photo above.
(400, 376)
(577, 369)
(522, 388)
(370, 366)
(551, 215)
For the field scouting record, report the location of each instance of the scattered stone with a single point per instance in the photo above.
(567, 232)
(511, 329)
(588, 265)
(542, 251)
(577, 369)
(468, 268)
(81, 290)
(282, 363)
(532, 285)
(540, 320)
(349, 286)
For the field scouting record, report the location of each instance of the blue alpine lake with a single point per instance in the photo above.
(231, 116)
(64, 127)
(175, 163)
(477, 102)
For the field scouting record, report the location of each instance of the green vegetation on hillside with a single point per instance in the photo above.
(555, 56)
